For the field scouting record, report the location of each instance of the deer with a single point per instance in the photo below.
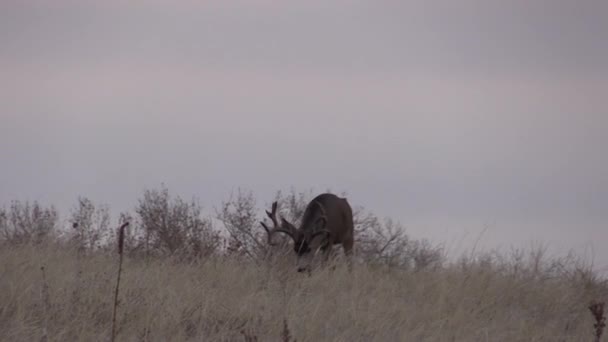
(327, 221)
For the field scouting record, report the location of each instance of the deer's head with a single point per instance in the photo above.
(307, 240)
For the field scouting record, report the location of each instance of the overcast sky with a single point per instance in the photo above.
(449, 116)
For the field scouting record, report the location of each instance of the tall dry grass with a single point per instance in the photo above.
(228, 299)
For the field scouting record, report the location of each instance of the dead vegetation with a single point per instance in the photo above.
(226, 299)
(597, 310)
(198, 287)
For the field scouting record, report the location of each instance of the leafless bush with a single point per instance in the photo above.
(379, 242)
(386, 243)
(293, 204)
(239, 217)
(164, 225)
(173, 226)
(532, 264)
(91, 225)
(426, 255)
(239, 214)
(26, 222)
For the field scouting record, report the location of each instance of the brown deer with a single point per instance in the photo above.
(327, 221)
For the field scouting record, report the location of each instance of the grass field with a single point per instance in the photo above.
(225, 299)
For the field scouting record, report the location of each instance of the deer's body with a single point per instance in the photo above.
(327, 221)
(339, 218)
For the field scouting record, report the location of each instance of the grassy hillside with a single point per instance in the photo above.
(223, 298)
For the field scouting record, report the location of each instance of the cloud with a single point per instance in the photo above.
(471, 37)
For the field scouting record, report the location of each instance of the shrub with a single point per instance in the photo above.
(91, 225)
(170, 226)
(26, 222)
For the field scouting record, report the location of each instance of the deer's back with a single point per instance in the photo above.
(338, 212)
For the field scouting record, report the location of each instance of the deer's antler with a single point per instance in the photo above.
(283, 228)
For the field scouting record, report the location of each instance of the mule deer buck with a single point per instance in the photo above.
(327, 221)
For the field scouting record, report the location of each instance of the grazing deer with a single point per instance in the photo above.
(327, 221)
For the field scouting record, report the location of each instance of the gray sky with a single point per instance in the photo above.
(449, 116)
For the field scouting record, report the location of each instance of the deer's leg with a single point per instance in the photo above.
(327, 253)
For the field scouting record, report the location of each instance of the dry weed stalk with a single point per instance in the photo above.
(46, 305)
(597, 310)
(248, 336)
(285, 334)
(121, 240)
(80, 250)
